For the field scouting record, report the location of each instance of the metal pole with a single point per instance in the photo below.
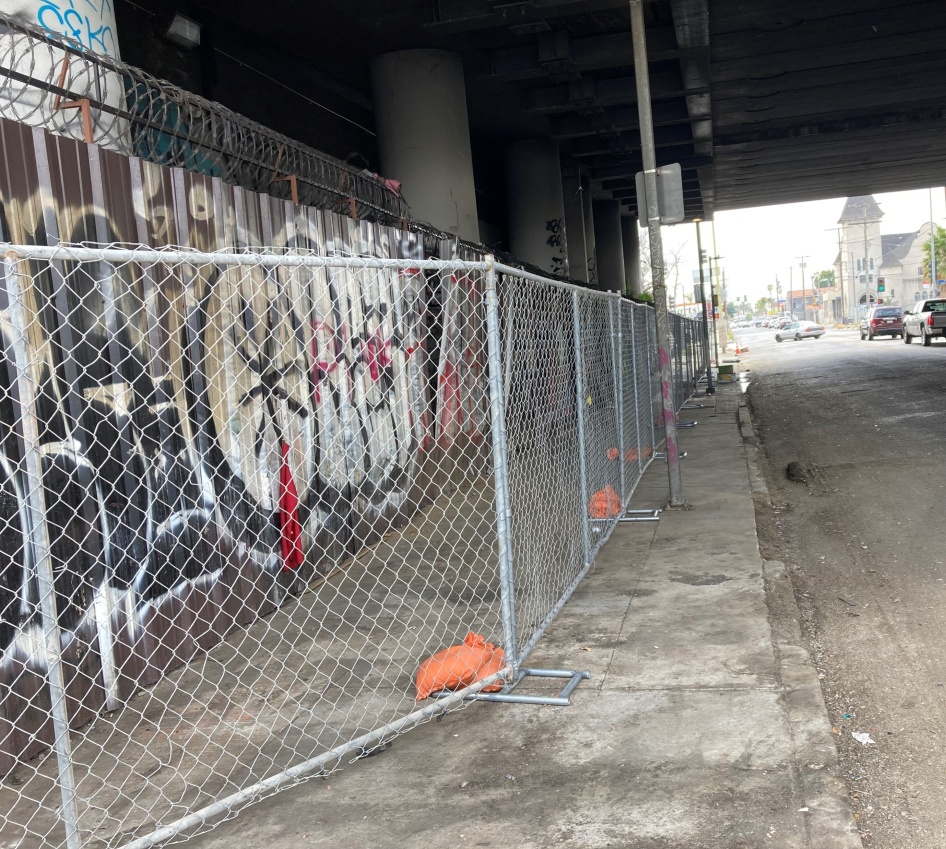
(637, 415)
(932, 246)
(710, 389)
(866, 274)
(617, 356)
(718, 301)
(649, 155)
(39, 542)
(580, 399)
(497, 405)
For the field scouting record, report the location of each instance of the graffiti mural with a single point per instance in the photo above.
(214, 436)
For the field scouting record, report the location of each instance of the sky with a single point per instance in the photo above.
(756, 245)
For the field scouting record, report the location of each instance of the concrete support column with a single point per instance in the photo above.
(575, 227)
(424, 136)
(609, 245)
(632, 255)
(590, 245)
(536, 205)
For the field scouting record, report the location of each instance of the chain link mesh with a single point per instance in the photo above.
(246, 495)
(231, 462)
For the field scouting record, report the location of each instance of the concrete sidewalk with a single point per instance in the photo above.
(702, 725)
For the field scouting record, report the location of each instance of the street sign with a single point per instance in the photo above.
(669, 194)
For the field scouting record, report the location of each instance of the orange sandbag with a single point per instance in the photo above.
(460, 666)
(604, 504)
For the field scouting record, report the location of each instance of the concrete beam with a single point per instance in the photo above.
(589, 92)
(615, 120)
(559, 52)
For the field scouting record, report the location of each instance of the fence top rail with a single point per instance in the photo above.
(512, 271)
(272, 259)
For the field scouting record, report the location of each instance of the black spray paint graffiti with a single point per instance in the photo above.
(555, 227)
(171, 399)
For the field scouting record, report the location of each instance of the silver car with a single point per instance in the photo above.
(799, 330)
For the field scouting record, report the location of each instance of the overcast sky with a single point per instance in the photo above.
(757, 244)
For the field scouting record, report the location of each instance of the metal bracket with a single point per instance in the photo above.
(640, 516)
(561, 699)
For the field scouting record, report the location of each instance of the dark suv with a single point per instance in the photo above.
(882, 321)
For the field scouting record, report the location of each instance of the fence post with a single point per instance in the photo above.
(39, 542)
(497, 406)
(580, 398)
(637, 414)
(652, 348)
(617, 359)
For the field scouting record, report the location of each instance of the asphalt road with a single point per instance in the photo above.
(862, 527)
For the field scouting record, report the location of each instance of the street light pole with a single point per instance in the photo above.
(710, 389)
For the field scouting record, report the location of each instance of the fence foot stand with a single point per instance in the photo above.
(640, 516)
(562, 698)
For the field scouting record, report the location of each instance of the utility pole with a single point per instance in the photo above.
(802, 264)
(840, 280)
(932, 247)
(866, 265)
(649, 161)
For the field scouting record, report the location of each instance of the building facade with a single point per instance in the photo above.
(872, 267)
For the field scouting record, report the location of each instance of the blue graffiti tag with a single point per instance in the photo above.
(87, 27)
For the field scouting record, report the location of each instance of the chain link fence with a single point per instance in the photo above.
(246, 495)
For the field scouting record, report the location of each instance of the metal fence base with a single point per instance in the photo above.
(693, 406)
(561, 699)
(640, 516)
(687, 424)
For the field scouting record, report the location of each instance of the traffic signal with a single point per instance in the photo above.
(881, 285)
(703, 257)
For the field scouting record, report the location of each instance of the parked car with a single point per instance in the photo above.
(882, 321)
(799, 330)
(926, 319)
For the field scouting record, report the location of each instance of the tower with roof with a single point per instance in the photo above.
(861, 253)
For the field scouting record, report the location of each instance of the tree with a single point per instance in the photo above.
(731, 310)
(824, 279)
(761, 306)
(940, 256)
(673, 259)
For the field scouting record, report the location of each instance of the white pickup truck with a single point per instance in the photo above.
(925, 319)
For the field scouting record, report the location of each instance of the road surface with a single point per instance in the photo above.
(860, 518)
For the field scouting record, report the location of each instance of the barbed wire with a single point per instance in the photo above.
(48, 80)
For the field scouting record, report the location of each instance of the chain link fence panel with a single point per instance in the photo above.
(246, 495)
(243, 505)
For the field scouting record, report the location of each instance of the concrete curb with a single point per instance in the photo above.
(830, 820)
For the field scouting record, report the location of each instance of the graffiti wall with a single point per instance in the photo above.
(213, 437)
